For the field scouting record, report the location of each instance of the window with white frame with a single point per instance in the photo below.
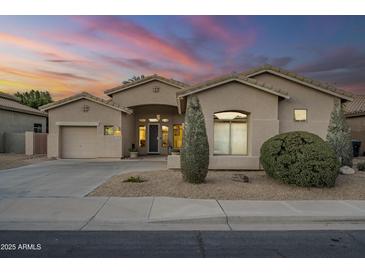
(230, 133)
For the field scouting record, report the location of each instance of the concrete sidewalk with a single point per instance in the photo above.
(161, 213)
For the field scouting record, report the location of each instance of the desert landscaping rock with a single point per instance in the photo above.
(219, 185)
(240, 178)
(346, 170)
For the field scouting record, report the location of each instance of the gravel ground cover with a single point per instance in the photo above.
(12, 160)
(221, 185)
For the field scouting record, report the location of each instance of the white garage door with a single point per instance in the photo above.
(78, 142)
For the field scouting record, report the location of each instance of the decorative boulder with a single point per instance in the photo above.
(240, 178)
(346, 170)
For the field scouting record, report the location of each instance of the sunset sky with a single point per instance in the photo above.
(69, 54)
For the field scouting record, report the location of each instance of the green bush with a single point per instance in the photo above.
(194, 154)
(361, 166)
(300, 158)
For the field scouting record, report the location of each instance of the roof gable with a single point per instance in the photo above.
(232, 78)
(146, 80)
(317, 85)
(87, 96)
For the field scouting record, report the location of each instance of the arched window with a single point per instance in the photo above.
(230, 133)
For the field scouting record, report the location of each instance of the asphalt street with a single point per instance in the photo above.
(188, 244)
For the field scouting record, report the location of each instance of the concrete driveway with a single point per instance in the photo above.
(66, 178)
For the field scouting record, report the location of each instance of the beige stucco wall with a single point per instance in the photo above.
(357, 125)
(107, 146)
(262, 109)
(318, 104)
(29, 143)
(128, 132)
(144, 95)
(221, 162)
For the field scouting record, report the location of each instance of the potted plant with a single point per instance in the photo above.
(133, 153)
(175, 151)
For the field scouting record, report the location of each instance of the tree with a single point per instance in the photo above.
(339, 136)
(133, 79)
(34, 98)
(195, 149)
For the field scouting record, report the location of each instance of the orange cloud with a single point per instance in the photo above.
(38, 47)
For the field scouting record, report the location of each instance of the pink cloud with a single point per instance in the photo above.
(212, 27)
(151, 44)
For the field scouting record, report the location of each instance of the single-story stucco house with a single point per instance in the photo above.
(355, 116)
(15, 120)
(241, 112)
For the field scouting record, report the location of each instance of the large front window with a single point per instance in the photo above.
(230, 133)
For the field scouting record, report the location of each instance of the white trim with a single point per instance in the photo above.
(78, 124)
(90, 99)
(288, 77)
(158, 138)
(141, 83)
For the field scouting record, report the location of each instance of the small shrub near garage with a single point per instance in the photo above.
(361, 166)
(300, 158)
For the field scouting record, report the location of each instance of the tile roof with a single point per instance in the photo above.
(308, 81)
(9, 96)
(146, 79)
(230, 77)
(86, 95)
(356, 107)
(12, 103)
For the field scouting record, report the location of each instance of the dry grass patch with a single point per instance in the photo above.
(219, 185)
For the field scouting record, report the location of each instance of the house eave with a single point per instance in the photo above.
(29, 112)
(342, 96)
(233, 80)
(123, 88)
(357, 114)
(126, 110)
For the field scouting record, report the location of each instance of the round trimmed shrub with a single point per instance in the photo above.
(300, 158)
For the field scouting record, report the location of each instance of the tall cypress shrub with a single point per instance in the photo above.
(339, 136)
(194, 158)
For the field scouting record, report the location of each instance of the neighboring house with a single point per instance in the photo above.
(15, 119)
(355, 116)
(241, 112)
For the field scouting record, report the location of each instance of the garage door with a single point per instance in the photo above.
(78, 142)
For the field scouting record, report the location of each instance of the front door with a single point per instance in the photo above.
(153, 138)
